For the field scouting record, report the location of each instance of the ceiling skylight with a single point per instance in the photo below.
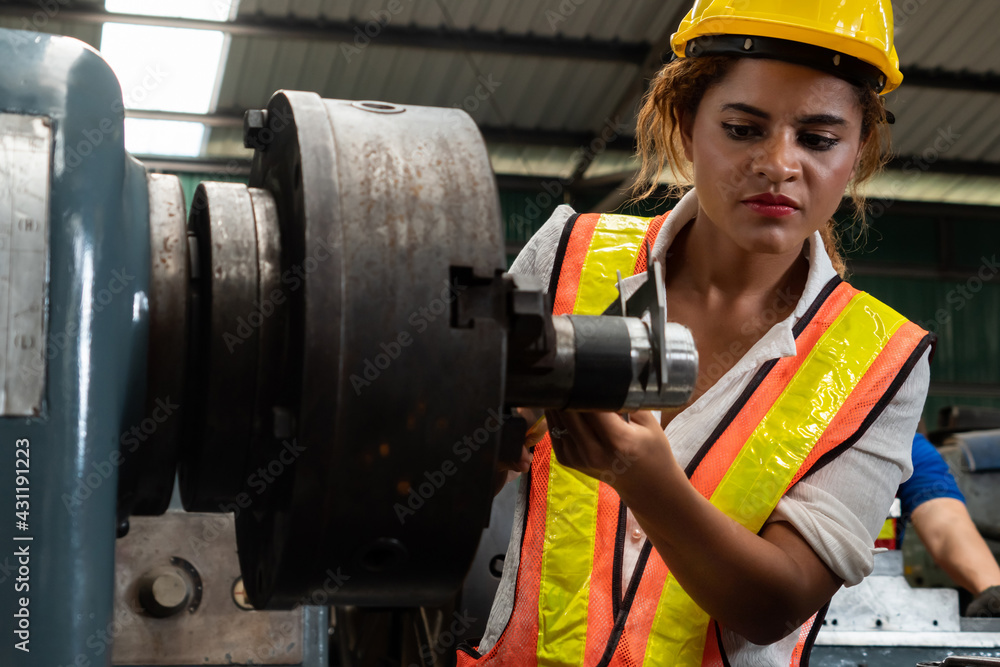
(209, 10)
(163, 137)
(166, 69)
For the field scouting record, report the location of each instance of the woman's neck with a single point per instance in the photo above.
(717, 269)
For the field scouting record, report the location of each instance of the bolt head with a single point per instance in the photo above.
(254, 121)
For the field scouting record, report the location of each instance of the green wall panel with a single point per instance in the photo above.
(891, 240)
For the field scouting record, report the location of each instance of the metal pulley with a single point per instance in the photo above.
(355, 349)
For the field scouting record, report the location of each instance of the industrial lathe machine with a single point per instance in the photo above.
(325, 360)
(232, 434)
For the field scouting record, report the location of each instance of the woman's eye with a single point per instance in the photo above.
(818, 142)
(737, 131)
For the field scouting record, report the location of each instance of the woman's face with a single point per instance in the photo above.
(773, 146)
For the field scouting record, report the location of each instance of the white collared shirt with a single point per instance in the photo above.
(838, 509)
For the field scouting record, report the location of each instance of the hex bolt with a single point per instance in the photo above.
(254, 123)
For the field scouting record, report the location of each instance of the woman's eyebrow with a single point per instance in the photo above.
(813, 119)
(746, 108)
(822, 119)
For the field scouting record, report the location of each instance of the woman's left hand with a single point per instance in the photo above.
(605, 446)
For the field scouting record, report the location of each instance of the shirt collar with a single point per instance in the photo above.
(779, 340)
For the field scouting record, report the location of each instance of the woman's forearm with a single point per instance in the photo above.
(760, 586)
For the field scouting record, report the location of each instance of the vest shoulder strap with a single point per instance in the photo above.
(594, 246)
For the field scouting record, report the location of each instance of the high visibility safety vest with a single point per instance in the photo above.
(795, 416)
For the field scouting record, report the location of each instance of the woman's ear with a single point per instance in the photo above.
(686, 125)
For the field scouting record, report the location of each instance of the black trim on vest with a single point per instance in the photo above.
(759, 377)
(878, 408)
(813, 633)
(633, 586)
(722, 647)
(616, 570)
(814, 307)
(567, 232)
(468, 649)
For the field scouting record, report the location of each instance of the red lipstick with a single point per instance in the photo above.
(771, 206)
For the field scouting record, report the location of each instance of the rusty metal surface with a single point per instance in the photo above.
(218, 631)
(379, 205)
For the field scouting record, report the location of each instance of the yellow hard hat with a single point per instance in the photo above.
(849, 38)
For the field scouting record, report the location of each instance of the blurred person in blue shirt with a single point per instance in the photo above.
(935, 506)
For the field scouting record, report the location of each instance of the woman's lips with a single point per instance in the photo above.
(769, 210)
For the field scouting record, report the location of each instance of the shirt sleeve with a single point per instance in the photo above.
(840, 508)
(539, 254)
(931, 478)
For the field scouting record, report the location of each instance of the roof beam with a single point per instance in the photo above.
(916, 163)
(938, 78)
(359, 35)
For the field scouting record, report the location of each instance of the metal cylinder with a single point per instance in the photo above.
(608, 363)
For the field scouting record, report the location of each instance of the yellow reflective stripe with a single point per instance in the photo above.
(775, 451)
(567, 560)
(766, 464)
(616, 243)
(677, 637)
(571, 504)
(888, 531)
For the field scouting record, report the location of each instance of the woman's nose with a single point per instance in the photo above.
(777, 159)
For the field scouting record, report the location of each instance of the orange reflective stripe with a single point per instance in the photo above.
(712, 657)
(572, 266)
(642, 261)
(632, 645)
(522, 627)
(600, 610)
(800, 645)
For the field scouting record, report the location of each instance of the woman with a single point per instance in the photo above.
(718, 529)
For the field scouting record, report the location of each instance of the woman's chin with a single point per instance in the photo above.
(772, 243)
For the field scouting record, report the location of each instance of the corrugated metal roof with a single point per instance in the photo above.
(497, 90)
(953, 35)
(625, 20)
(952, 124)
